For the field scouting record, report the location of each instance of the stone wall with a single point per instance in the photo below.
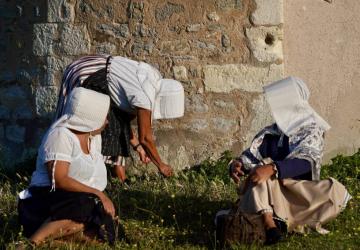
(222, 51)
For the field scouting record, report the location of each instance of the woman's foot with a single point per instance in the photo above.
(273, 236)
(120, 173)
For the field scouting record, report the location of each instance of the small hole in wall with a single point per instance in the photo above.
(269, 39)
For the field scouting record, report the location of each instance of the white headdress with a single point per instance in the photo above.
(288, 100)
(85, 111)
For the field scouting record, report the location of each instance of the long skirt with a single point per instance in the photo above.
(298, 203)
(80, 207)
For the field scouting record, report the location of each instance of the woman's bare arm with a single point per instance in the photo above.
(146, 140)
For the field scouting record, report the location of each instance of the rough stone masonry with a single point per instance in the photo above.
(223, 52)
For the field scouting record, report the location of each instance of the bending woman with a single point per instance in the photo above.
(136, 90)
(283, 165)
(66, 191)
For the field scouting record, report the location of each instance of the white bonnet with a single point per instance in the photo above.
(85, 110)
(169, 102)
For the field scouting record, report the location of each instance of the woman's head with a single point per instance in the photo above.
(288, 100)
(86, 110)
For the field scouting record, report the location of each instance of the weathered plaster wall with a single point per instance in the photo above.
(222, 51)
(322, 46)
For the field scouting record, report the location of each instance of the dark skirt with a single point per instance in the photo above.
(80, 207)
(116, 136)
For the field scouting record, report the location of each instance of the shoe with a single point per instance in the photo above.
(281, 225)
(273, 236)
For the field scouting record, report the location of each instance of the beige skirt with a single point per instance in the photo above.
(298, 203)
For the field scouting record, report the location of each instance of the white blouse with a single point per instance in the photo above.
(60, 144)
(131, 82)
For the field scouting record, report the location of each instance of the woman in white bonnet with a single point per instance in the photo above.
(137, 90)
(66, 191)
(283, 165)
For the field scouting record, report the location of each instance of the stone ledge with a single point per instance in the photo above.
(225, 78)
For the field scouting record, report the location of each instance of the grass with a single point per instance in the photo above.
(178, 213)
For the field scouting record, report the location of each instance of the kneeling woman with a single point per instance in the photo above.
(66, 191)
(283, 164)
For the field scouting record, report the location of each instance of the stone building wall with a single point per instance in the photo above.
(222, 51)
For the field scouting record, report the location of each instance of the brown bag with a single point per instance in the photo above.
(238, 227)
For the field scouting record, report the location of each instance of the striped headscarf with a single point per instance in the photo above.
(75, 74)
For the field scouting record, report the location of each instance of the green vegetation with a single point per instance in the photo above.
(178, 213)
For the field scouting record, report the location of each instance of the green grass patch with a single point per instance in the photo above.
(178, 213)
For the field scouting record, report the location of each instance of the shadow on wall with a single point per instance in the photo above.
(19, 74)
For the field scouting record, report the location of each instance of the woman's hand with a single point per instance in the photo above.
(107, 203)
(261, 173)
(236, 171)
(165, 170)
(142, 154)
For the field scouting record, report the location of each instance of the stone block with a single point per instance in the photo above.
(180, 73)
(180, 160)
(45, 36)
(57, 63)
(142, 30)
(105, 48)
(204, 45)
(136, 10)
(4, 112)
(225, 105)
(117, 30)
(168, 10)
(213, 16)
(141, 47)
(196, 104)
(175, 46)
(225, 41)
(60, 11)
(22, 112)
(229, 4)
(75, 40)
(224, 125)
(193, 27)
(197, 125)
(2, 134)
(46, 100)
(215, 27)
(177, 157)
(268, 12)
(266, 43)
(225, 78)
(262, 117)
(12, 96)
(55, 69)
(15, 133)
(23, 76)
